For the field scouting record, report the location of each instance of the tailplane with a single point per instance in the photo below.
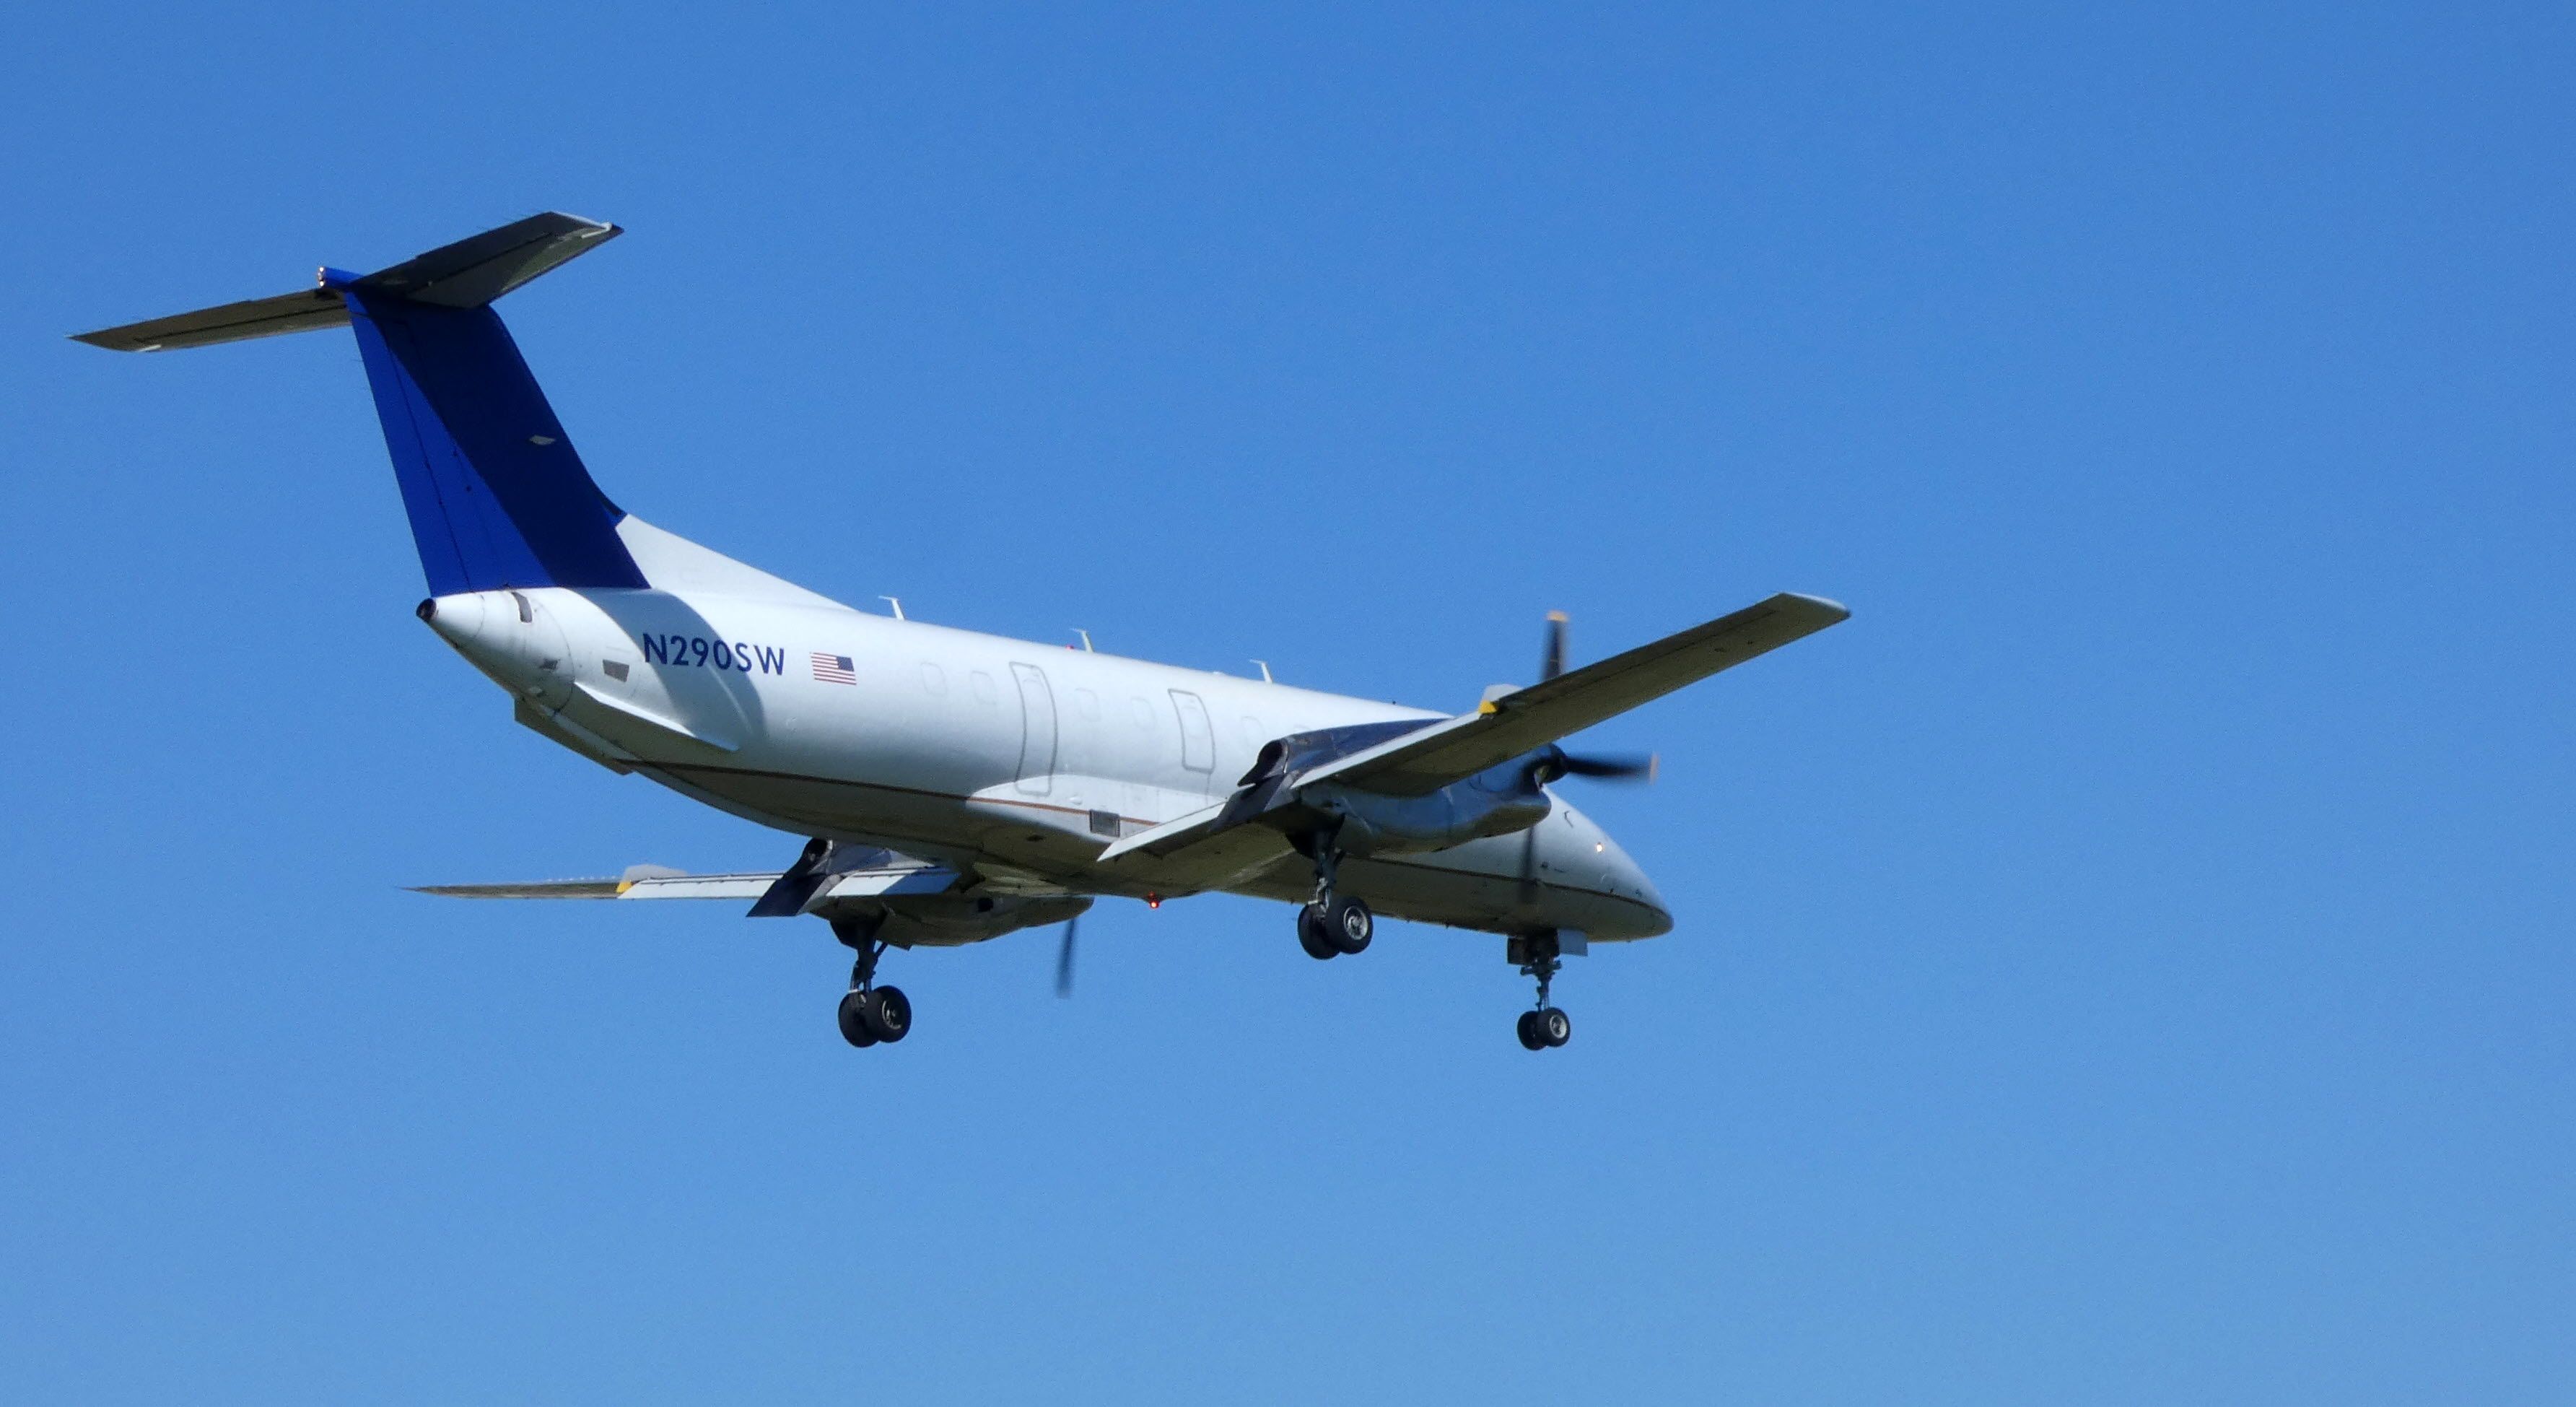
(496, 495)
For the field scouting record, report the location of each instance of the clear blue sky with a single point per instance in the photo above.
(2129, 962)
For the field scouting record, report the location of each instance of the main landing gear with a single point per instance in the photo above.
(1537, 955)
(870, 1013)
(1334, 923)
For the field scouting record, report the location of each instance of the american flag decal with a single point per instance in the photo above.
(833, 669)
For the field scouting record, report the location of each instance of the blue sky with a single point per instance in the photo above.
(2128, 962)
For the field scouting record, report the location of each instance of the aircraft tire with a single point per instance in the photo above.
(1348, 924)
(888, 1013)
(1310, 934)
(1529, 1034)
(854, 1021)
(1553, 1027)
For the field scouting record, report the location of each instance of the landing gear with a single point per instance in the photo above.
(1545, 1027)
(854, 1020)
(886, 1012)
(1334, 923)
(870, 1014)
(1337, 926)
(1348, 924)
(1311, 936)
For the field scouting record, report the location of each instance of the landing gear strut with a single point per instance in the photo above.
(870, 1013)
(1334, 923)
(1537, 955)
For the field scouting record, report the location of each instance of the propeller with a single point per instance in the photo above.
(1551, 662)
(1064, 959)
(1556, 762)
(1622, 767)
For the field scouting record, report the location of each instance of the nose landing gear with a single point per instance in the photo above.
(870, 1014)
(1537, 956)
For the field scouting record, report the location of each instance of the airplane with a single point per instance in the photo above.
(955, 786)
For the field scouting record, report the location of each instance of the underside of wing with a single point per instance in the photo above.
(656, 882)
(873, 894)
(1210, 849)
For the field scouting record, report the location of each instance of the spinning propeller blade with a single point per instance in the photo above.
(1064, 959)
(1610, 769)
(1557, 762)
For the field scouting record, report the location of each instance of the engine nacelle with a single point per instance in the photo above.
(953, 920)
(1497, 801)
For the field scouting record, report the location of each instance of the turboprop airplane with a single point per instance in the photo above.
(955, 786)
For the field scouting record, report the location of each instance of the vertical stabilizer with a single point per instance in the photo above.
(496, 495)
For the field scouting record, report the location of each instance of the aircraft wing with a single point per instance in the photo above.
(906, 901)
(655, 882)
(1210, 848)
(1503, 728)
(1221, 844)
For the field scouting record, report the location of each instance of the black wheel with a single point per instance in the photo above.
(854, 1021)
(888, 1014)
(1310, 934)
(1553, 1028)
(1348, 924)
(1530, 1037)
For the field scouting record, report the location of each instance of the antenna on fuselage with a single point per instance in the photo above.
(896, 602)
(1265, 672)
(1086, 640)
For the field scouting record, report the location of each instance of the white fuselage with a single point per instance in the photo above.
(1023, 760)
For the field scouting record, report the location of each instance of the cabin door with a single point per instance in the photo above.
(1037, 730)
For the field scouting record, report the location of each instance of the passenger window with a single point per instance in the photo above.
(983, 684)
(933, 682)
(1087, 703)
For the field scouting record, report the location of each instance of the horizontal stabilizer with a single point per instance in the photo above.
(306, 311)
(467, 274)
(478, 269)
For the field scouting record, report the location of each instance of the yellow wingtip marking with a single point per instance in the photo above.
(624, 884)
(1487, 707)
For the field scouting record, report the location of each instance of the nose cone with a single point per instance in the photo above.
(1621, 902)
(508, 635)
(1645, 915)
(1661, 920)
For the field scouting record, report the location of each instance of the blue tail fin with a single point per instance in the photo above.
(496, 495)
